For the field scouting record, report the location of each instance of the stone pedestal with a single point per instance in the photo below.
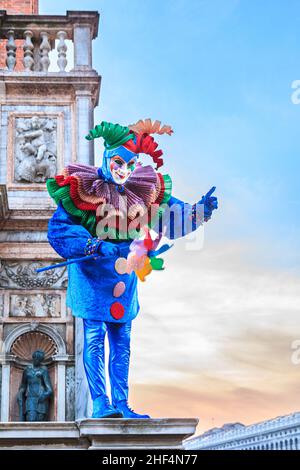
(98, 434)
(137, 433)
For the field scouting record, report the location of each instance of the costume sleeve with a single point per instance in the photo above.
(66, 235)
(180, 218)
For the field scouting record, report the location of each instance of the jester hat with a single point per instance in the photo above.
(129, 141)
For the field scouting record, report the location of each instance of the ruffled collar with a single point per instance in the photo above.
(90, 188)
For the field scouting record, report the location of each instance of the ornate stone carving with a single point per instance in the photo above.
(36, 305)
(26, 344)
(36, 149)
(22, 274)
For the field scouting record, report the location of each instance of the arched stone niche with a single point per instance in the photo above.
(19, 345)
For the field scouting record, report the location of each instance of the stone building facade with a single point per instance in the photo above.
(46, 109)
(281, 433)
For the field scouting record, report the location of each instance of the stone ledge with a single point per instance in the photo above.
(37, 436)
(161, 433)
(53, 23)
(41, 84)
(17, 430)
(93, 434)
(28, 251)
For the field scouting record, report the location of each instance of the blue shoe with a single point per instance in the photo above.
(103, 409)
(122, 406)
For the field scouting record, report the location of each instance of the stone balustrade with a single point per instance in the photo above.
(38, 35)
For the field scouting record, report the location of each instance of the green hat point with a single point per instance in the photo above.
(113, 135)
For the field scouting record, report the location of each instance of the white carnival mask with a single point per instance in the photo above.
(120, 170)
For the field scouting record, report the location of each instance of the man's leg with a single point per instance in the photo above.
(94, 365)
(119, 357)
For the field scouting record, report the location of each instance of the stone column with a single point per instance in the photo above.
(82, 47)
(85, 155)
(84, 122)
(61, 360)
(83, 399)
(5, 389)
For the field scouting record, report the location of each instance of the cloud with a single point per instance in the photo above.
(213, 338)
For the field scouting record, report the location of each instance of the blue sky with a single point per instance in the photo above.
(220, 72)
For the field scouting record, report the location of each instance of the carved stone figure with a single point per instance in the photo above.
(21, 307)
(36, 149)
(35, 390)
(36, 305)
(50, 305)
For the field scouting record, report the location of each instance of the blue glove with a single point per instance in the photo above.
(210, 203)
(107, 249)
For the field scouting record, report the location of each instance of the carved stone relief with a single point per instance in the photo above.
(38, 305)
(22, 274)
(29, 342)
(35, 158)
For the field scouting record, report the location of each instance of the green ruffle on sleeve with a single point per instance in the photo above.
(166, 196)
(62, 194)
(168, 188)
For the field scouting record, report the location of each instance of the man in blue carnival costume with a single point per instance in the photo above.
(104, 215)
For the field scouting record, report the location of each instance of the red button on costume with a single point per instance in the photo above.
(117, 310)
